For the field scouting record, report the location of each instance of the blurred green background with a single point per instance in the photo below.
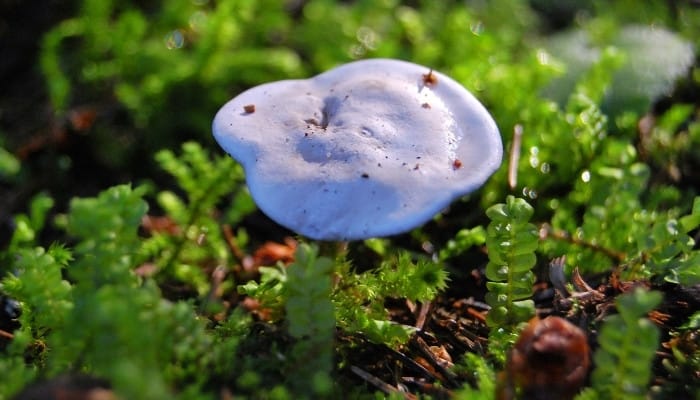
(91, 89)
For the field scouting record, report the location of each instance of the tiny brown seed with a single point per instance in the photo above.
(430, 79)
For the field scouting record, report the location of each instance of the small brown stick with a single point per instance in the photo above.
(546, 231)
(231, 241)
(423, 310)
(215, 292)
(476, 315)
(514, 156)
(423, 348)
(217, 278)
(472, 303)
(578, 282)
(412, 364)
(582, 290)
(427, 388)
(378, 383)
(6, 334)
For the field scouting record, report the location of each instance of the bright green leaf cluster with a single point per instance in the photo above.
(107, 225)
(311, 321)
(512, 241)
(37, 283)
(269, 291)
(128, 47)
(104, 320)
(197, 236)
(628, 343)
(112, 308)
(666, 250)
(419, 280)
(483, 375)
(33, 277)
(301, 293)
(359, 298)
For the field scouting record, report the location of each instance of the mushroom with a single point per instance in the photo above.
(371, 148)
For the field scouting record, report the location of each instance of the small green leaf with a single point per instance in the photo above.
(638, 303)
(691, 221)
(628, 344)
(9, 164)
(496, 272)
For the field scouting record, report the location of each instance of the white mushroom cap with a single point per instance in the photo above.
(371, 148)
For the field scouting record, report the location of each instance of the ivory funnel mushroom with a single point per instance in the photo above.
(371, 148)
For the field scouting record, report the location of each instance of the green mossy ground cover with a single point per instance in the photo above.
(134, 264)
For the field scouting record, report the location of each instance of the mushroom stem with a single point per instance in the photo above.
(333, 249)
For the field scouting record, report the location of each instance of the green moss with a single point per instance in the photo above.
(148, 309)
